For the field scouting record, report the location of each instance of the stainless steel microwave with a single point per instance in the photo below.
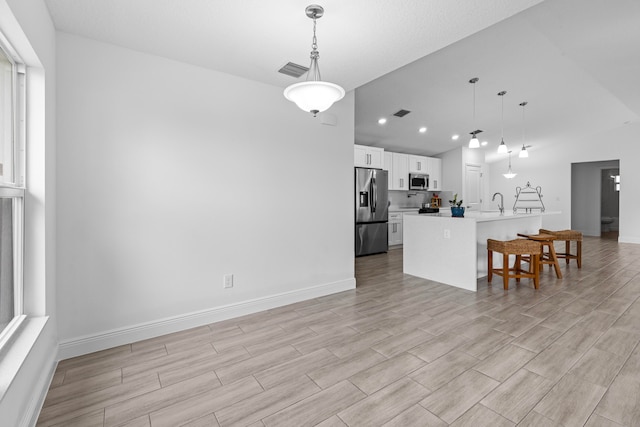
(418, 181)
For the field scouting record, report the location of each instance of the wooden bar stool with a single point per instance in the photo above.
(549, 257)
(517, 247)
(568, 236)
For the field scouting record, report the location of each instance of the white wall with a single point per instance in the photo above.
(172, 175)
(28, 364)
(551, 169)
(454, 169)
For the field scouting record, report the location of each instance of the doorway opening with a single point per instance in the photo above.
(595, 198)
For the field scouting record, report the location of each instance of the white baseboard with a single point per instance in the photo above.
(32, 413)
(113, 338)
(629, 239)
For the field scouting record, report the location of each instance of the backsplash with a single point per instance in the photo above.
(415, 199)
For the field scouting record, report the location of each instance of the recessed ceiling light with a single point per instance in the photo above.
(455, 137)
(483, 143)
(422, 129)
(382, 121)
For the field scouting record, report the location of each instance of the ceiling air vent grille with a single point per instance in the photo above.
(293, 70)
(401, 113)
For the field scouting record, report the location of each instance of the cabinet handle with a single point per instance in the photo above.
(368, 159)
(401, 182)
(395, 228)
(435, 183)
(419, 166)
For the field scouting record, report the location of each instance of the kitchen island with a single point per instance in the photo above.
(454, 250)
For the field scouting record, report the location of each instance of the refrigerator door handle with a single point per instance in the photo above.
(374, 188)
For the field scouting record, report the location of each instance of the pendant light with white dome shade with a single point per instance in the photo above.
(510, 174)
(314, 95)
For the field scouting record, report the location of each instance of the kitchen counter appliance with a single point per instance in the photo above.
(418, 182)
(372, 211)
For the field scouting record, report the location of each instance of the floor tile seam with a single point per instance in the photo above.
(85, 405)
(626, 358)
(252, 373)
(593, 411)
(624, 364)
(72, 396)
(84, 409)
(197, 395)
(471, 368)
(320, 389)
(63, 423)
(477, 402)
(71, 361)
(551, 388)
(101, 370)
(275, 346)
(606, 418)
(486, 407)
(185, 397)
(169, 366)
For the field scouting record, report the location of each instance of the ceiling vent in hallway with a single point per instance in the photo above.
(401, 113)
(293, 70)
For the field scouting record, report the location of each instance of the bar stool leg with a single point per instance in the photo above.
(536, 275)
(567, 250)
(554, 258)
(505, 271)
(517, 267)
(490, 259)
(579, 253)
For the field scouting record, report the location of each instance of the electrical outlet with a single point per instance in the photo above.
(447, 233)
(227, 281)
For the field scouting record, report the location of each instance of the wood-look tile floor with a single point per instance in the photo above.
(397, 351)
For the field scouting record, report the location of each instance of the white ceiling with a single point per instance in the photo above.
(574, 61)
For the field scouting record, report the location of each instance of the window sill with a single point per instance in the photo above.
(17, 347)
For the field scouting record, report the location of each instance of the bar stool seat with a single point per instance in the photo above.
(549, 257)
(568, 236)
(519, 248)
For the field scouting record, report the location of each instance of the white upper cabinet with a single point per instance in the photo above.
(418, 164)
(400, 172)
(398, 166)
(388, 166)
(434, 170)
(368, 157)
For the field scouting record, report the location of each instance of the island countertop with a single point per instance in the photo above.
(453, 250)
(484, 216)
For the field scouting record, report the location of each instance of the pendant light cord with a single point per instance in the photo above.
(502, 117)
(523, 104)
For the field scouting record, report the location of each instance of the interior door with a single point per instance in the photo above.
(472, 187)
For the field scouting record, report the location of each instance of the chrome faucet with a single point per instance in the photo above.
(501, 204)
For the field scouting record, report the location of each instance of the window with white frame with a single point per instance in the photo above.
(12, 115)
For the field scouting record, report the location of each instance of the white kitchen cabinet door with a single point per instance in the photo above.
(418, 164)
(400, 175)
(435, 174)
(395, 229)
(388, 166)
(368, 157)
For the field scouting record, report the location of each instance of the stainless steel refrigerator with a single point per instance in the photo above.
(372, 211)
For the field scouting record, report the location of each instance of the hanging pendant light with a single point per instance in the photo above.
(474, 143)
(523, 153)
(502, 148)
(510, 174)
(314, 95)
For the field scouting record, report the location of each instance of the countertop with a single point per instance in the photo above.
(485, 216)
(405, 209)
